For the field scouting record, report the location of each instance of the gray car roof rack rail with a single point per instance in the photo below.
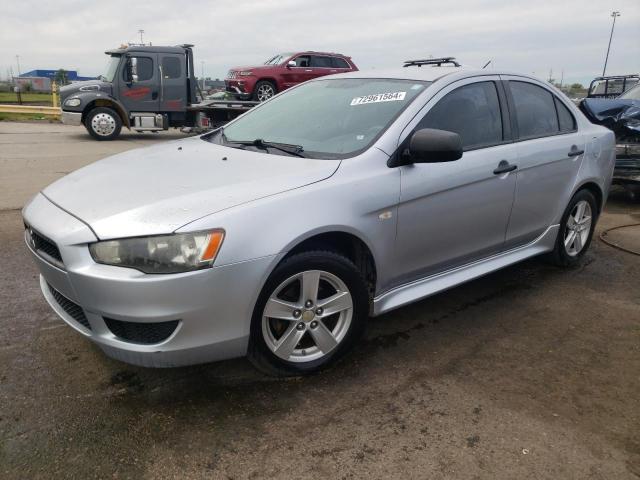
(432, 61)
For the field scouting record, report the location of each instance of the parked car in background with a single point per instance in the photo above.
(622, 115)
(284, 70)
(277, 235)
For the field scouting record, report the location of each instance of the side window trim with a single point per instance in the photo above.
(514, 121)
(557, 100)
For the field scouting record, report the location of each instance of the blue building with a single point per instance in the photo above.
(72, 75)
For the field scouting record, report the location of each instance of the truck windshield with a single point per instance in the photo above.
(110, 70)
(633, 94)
(278, 59)
(332, 118)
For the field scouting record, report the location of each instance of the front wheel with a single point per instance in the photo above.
(103, 123)
(576, 229)
(312, 309)
(264, 91)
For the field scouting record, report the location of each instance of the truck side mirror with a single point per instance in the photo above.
(291, 63)
(131, 70)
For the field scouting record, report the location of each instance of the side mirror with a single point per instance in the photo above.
(431, 146)
(291, 63)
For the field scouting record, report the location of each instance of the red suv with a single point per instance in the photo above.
(283, 71)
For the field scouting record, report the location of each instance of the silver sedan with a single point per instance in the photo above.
(342, 198)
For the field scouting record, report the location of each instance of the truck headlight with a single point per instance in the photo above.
(72, 102)
(245, 73)
(180, 252)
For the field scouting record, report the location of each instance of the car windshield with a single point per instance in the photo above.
(278, 59)
(110, 70)
(333, 118)
(633, 94)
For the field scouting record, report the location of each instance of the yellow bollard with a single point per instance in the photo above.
(54, 94)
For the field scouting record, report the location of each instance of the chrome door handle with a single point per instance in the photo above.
(308, 70)
(504, 167)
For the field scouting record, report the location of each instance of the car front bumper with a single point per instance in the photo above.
(212, 307)
(627, 170)
(71, 118)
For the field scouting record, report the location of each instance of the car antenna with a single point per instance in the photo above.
(486, 64)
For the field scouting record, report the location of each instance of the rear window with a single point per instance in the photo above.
(535, 110)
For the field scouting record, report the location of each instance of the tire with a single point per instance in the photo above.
(264, 90)
(568, 253)
(305, 323)
(103, 123)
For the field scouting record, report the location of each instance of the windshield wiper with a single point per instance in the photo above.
(283, 147)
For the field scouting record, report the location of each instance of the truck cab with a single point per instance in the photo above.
(144, 88)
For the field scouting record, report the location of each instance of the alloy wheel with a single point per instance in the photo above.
(103, 124)
(578, 227)
(307, 316)
(265, 92)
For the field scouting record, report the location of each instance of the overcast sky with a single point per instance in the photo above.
(531, 36)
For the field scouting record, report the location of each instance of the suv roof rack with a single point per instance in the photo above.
(431, 61)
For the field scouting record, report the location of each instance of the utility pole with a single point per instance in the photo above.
(614, 14)
(18, 62)
(141, 32)
(202, 62)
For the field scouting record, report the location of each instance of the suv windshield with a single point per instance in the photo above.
(278, 59)
(334, 118)
(110, 70)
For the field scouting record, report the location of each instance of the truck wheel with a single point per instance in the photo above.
(103, 123)
(264, 90)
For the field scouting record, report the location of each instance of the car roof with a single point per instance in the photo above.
(427, 73)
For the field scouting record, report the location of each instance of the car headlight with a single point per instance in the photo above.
(245, 73)
(72, 102)
(180, 252)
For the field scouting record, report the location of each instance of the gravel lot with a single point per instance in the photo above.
(531, 372)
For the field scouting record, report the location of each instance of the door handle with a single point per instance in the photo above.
(574, 152)
(504, 167)
(308, 70)
(154, 95)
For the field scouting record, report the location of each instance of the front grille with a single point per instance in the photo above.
(73, 309)
(231, 74)
(145, 333)
(42, 244)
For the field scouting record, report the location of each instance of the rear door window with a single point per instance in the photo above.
(171, 67)
(565, 118)
(318, 61)
(472, 111)
(535, 110)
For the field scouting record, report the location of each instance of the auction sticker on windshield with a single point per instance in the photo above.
(379, 97)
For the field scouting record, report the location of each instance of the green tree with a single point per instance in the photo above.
(61, 77)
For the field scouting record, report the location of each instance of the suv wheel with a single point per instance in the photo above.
(576, 229)
(103, 123)
(264, 90)
(311, 310)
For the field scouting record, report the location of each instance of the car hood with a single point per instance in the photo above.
(253, 67)
(158, 189)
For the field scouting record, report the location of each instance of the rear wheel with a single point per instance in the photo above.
(576, 229)
(264, 90)
(103, 123)
(311, 310)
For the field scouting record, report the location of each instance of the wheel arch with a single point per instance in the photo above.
(343, 242)
(270, 80)
(595, 189)
(109, 103)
